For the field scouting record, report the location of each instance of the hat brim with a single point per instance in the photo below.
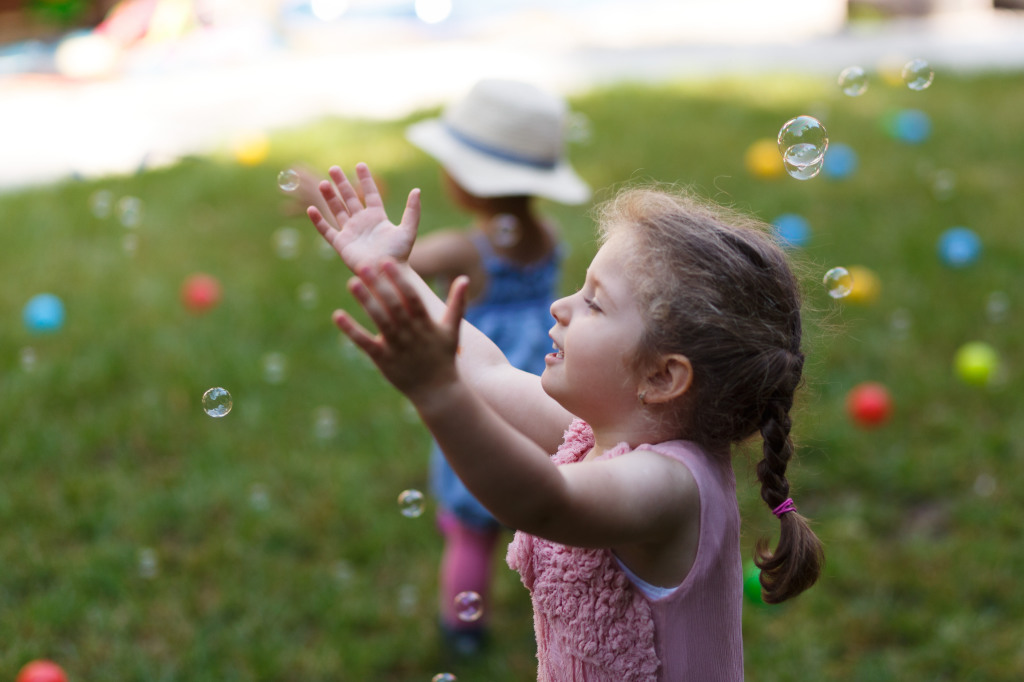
(489, 176)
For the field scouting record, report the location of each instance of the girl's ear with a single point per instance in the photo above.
(670, 379)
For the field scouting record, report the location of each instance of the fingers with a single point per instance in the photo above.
(411, 215)
(368, 343)
(370, 192)
(455, 308)
(320, 223)
(335, 203)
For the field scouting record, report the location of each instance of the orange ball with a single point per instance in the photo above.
(41, 671)
(869, 404)
(200, 293)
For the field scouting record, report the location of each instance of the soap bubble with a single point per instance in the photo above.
(997, 306)
(130, 243)
(259, 498)
(325, 422)
(408, 598)
(803, 142)
(129, 211)
(28, 359)
(943, 184)
(917, 74)
(101, 202)
(443, 677)
(577, 128)
(148, 563)
(286, 243)
(506, 230)
(469, 606)
(275, 368)
(308, 295)
(410, 502)
(288, 180)
(217, 402)
(838, 282)
(853, 81)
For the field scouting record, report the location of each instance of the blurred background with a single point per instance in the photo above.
(149, 253)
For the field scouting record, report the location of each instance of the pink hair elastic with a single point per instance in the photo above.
(786, 506)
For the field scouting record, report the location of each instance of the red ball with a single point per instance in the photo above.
(41, 671)
(200, 292)
(869, 404)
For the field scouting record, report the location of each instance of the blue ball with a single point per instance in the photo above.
(911, 126)
(959, 247)
(792, 229)
(44, 313)
(840, 161)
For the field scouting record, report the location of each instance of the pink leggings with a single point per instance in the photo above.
(465, 566)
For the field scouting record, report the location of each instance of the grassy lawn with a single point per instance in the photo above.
(143, 540)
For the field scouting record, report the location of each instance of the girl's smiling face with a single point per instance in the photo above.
(595, 336)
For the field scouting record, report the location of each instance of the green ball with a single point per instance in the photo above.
(975, 363)
(752, 584)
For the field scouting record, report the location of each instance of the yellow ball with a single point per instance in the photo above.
(866, 286)
(763, 159)
(976, 363)
(251, 148)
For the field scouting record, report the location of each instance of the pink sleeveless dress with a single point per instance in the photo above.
(593, 624)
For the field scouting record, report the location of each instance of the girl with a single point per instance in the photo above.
(684, 339)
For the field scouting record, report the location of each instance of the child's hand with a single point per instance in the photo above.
(412, 350)
(364, 236)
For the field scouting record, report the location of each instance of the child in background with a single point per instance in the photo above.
(684, 339)
(500, 147)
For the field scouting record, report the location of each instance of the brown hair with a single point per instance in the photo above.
(715, 287)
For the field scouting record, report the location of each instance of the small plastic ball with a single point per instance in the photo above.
(43, 314)
(41, 671)
(792, 229)
(909, 125)
(752, 584)
(840, 161)
(866, 286)
(869, 404)
(976, 363)
(763, 159)
(959, 247)
(200, 293)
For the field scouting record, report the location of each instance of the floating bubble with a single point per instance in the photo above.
(275, 368)
(943, 184)
(853, 81)
(506, 230)
(803, 142)
(286, 242)
(148, 563)
(43, 314)
(217, 402)
(410, 503)
(984, 485)
(838, 282)
(443, 677)
(959, 247)
(288, 180)
(577, 128)
(129, 211)
(469, 606)
(130, 243)
(792, 229)
(997, 307)
(325, 422)
(343, 571)
(101, 202)
(900, 323)
(408, 598)
(28, 359)
(259, 498)
(308, 295)
(917, 74)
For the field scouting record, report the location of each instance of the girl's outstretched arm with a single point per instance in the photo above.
(365, 239)
(636, 498)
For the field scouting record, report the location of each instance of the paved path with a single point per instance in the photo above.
(195, 98)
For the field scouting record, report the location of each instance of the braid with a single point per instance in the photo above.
(796, 562)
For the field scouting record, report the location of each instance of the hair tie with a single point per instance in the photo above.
(786, 506)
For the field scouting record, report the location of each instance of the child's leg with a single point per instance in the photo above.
(466, 566)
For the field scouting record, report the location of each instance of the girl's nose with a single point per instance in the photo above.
(560, 310)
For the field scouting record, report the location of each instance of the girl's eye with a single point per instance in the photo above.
(592, 304)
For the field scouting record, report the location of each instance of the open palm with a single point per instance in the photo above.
(364, 236)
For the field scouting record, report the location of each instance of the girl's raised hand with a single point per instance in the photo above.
(412, 350)
(364, 236)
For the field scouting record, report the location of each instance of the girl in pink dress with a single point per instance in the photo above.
(683, 340)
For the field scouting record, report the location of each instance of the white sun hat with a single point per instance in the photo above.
(504, 138)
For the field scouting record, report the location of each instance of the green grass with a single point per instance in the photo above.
(106, 453)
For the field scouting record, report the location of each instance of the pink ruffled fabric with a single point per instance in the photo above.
(591, 623)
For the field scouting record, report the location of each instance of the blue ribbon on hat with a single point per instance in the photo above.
(499, 153)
